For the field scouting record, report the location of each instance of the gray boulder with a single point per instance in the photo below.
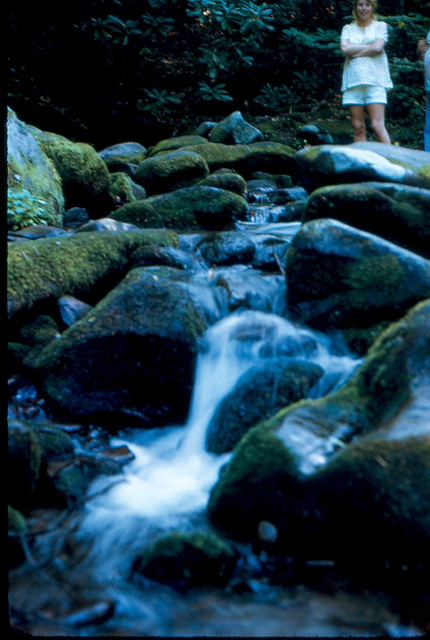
(229, 247)
(335, 164)
(396, 212)
(35, 190)
(235, 130)
(123, 153)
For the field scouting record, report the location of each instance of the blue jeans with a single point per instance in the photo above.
(427, 124)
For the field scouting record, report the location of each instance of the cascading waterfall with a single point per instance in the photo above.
(172, 474)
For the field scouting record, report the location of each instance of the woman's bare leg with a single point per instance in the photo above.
(376, 113)
(358, 123)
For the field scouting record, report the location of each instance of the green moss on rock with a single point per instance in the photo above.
(272, 157)
(376, 494)
(188, 208)
(84, 174)
(184, 561)
(53, 267)
(261, 482)
(169, 171)
(171, 144)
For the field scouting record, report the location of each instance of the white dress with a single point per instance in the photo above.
(369, 70)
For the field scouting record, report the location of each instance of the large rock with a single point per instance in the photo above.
(184, 561)
(258, 395)
(72, 265)
(338, 277)
(187, 208)
(354, 465)
(84, 174)
(35, 190)
(335, 164)
(122, 154)
(225, 179)
(235, 130)
(229, 247)
(134, 352)
(396, 212)
(271, 157)
(168, 171)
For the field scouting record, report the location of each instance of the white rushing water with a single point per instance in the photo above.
(171, 476)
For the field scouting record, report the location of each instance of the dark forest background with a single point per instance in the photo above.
(107, 71)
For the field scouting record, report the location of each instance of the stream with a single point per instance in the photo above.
(87, 590)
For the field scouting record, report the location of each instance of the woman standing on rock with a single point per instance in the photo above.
(366, 76)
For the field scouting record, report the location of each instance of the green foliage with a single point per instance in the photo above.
(277, 97)
(114, 30)
(157, 99)
(24, 210)
(216, 92)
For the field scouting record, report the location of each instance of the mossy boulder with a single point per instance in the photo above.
(188, 208)
(375, 493)
(176, 142)
(225, 179)
(245, 159)
(35, 190)
(71, 265)
(360, 162)
(285, 470)
(258, 395)
(184, 561)
(46, 470)
(134, 352)
(168, 171)
(398, 213)
(338, 277)
(85, 176)
(123, 189)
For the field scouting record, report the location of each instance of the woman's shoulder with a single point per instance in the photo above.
(380, 27)
(348, 27)
(379, 24)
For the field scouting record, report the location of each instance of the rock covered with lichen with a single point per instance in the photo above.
(35, 192)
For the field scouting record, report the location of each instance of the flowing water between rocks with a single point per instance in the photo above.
(87, 589)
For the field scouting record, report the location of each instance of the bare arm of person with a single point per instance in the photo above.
(362, 50)
(422, 47)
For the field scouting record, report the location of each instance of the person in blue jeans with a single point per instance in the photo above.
(423, 48)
